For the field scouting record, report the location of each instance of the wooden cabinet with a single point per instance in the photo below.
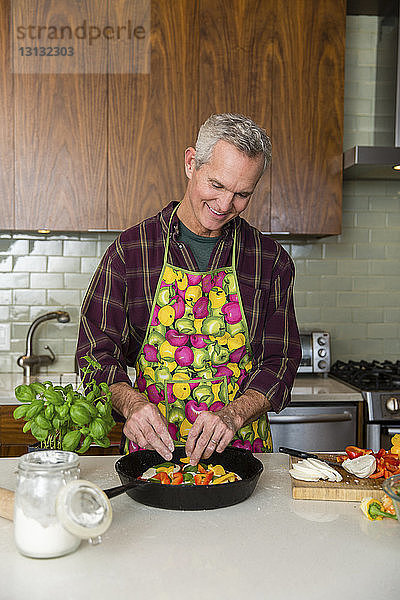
(236, 74)
(14, 442)
(99, 151)
(307, 125)
(282, 63)
(60, 136)
(60, 141)
(153, 117)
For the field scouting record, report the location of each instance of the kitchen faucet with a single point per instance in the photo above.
(31, 362)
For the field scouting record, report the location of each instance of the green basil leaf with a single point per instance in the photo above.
(24, 393)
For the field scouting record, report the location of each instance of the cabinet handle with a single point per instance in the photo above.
(322, 418)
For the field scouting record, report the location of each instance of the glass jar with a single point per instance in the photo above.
(38, 531)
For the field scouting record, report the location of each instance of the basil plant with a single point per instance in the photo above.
(62, 418)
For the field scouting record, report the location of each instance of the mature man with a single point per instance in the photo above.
(201, 303)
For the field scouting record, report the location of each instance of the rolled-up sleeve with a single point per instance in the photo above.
(278, 357)
(104, 327)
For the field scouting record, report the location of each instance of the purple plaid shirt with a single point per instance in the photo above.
(117, 305)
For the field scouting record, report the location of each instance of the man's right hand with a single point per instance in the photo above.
(144, 425)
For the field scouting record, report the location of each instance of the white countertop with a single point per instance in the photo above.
(307, 388)
(269, 546)
(318, 388)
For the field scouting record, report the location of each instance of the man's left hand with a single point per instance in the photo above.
(212, 431)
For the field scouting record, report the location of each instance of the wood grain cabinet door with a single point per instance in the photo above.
(235, 74)
(60, 138)
(153, 117)
(307, 122)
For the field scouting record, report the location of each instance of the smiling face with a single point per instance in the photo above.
(219, 190)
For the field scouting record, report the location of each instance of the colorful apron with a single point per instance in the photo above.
(196, 351)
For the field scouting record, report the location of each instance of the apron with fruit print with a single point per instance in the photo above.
(196, 351)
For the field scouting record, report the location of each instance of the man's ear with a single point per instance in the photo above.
(189, 162)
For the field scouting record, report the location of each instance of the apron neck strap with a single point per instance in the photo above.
(169, 234)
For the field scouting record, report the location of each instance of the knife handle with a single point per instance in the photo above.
(298, 453)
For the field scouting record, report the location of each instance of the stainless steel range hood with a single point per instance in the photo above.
(371, 162)
(377, 162)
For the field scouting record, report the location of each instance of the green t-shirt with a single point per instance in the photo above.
(201, 247)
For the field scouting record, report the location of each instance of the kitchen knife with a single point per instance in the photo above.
(302, 454)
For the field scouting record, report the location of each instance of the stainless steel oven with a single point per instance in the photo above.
(328, 427)
(379, 384)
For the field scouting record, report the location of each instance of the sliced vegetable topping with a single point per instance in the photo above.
(186, 474)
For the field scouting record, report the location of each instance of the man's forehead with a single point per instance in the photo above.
(227, 161)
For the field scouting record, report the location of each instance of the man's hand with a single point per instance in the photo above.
(213, 431)
(144, 425)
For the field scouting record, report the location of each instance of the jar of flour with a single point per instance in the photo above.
(38, 530)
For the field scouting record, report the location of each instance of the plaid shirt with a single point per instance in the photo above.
(117, 305)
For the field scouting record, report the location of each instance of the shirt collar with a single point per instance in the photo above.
(165, 217)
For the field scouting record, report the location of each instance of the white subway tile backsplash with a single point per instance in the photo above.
(385, 330)
(76, 280)
(28, 297)
(30, 264)
(63, 297)
(351, 299)
(19, 312)
(13, 246)
(63, 264)
(14, 280)
(47, 247)
(46, 280)
(5, 296)
(88, 265)
(364, 251)
(6, 263)
(336, 284)
(4, 313)
(79, 248)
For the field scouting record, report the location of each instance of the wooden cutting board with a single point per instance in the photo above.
(350, 489)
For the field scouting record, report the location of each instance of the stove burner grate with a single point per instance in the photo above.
(368, 376)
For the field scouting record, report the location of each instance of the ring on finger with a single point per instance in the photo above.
(213, 442)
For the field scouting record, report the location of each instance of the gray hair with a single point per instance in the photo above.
(238, 130)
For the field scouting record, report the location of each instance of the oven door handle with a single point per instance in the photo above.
(393, 430)
(320, 418)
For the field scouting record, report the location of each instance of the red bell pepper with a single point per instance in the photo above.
(354, 452)
(208, 477)
(163, 477)
(203, 478)
(177, 478)
(380, 453)
(390, 459)
(377, 474)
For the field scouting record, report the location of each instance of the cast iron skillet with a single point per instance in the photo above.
(176, 497)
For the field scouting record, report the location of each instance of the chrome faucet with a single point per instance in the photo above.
(31, 362)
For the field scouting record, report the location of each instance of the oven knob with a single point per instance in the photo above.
(322, 352)
(392, 404)
(322, 364)
(321, 341)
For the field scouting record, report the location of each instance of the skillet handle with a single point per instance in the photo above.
(120, 489)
